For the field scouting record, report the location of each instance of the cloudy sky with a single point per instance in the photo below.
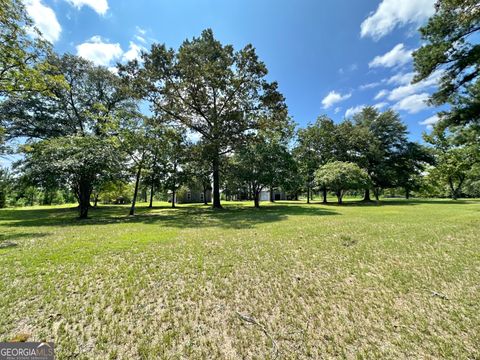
(330, 57)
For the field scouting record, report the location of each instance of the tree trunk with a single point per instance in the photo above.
(205, 202)
(376, 192)
(174, 192)
(95, 204)
(308, 194)
(407, 193)
(256, 199)
(152, 189)
(296, 196)
(324, 191)
(84, 192)
(135, 193)
(216, 182)
(272, 194)
(340, 197)
(455, 191)
(366, 197)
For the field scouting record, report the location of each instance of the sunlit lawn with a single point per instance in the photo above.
(290, 280)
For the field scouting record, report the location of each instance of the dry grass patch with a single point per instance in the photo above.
(287, 281)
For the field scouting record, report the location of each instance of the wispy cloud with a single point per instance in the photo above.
(99, 6)
(399, 55)
(413, 103)
(44, 19)
(430, 122)
(381, 94)
(369, 86)
(395, 13)
(401, 79)
(333, 97)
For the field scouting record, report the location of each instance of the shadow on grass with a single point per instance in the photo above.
(398, 202)
(11, 241)
(234, 216)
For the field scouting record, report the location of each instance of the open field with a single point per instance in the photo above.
(289, 280)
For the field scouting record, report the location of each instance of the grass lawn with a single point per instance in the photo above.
(290, 280)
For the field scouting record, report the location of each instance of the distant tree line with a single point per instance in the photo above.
(217, 124)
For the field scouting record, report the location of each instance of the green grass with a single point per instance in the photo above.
(290, 280)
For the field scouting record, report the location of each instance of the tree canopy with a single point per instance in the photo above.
(339, 176)
(211, 89)
(69, 122)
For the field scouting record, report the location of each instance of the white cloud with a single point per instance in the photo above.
(381, 94)
(133, 52)
(380, 105)
(332, 98)
(140, 30)
(353, 110)
(100, 52)
(356, 109)
(100, 6)
(44, 19)
(413, 103)
(369, 86)
(406, 90)
(140, 34)
(401, 79)
(432, 120)
(140, 38)
(395, 13)
(337, 109)
(350, 68)
(396, 57)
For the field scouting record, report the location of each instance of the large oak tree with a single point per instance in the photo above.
(213, 90)
(73, 128)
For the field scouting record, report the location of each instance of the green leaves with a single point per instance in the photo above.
(263, 163)
(213, 90)
(340, 176)
(451, 47)
(455, 162)
(22, 56)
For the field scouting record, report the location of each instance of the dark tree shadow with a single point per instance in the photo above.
(186, 216)
(13, 240)
(398, 202)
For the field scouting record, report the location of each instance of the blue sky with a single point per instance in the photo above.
(330, 57)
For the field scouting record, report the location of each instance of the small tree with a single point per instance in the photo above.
(409, 165)
(379, 139)
(339, 176)
(173, 160)
(260, 164)
(137, 142)
(80, 162)
(315, 147)
(198, 169)
(453, 161)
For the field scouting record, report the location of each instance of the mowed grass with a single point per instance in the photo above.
(287, 281)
